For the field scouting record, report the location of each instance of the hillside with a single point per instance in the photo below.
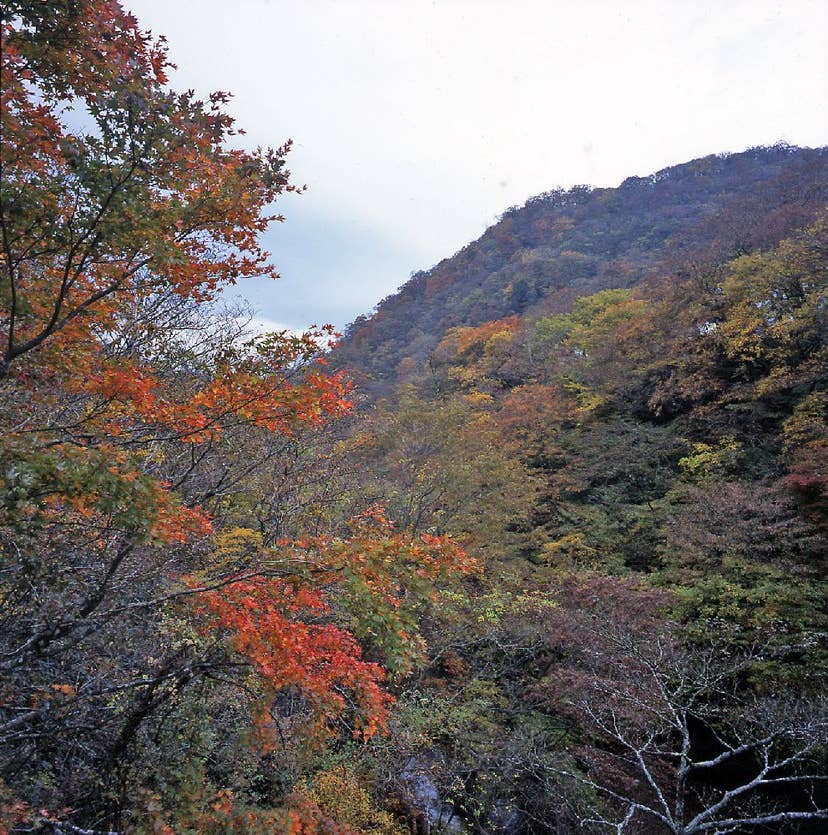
(563, 244)
(618, 400)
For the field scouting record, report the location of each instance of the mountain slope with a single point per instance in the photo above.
(618, 400)
(563, 244)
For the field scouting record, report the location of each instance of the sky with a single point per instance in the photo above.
(416, 123)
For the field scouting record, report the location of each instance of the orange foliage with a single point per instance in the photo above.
(224, 811)
(267, 619)
(152, 205)
(474, 340)
(103, 406)
(531, 415)
(165, 207)
(284, 627)
(253, 391)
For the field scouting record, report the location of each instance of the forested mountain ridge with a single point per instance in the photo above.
(563, 244)
(619, 400)
(707, 333)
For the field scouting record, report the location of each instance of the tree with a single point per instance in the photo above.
(147, 199)
(142, 603)
(676, 739)
(435, 463)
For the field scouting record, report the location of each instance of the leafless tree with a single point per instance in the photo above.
(682, 738)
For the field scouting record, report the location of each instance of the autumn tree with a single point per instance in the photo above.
(436, 463)
(142, 587)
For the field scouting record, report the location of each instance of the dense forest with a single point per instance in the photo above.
(536, 548)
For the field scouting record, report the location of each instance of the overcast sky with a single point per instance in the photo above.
(417, 122)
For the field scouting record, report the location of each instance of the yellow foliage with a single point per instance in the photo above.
(233, 545)
(340, 797)
(707, 460)
(569, 551)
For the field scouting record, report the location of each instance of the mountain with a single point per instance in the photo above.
(539, 257)
(617, 399)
